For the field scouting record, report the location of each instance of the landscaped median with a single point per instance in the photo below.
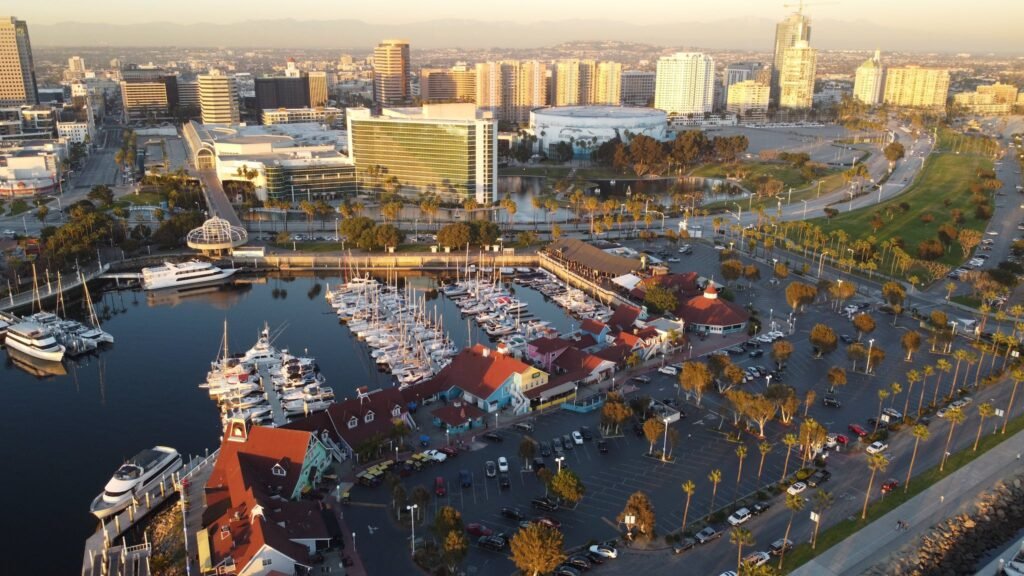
(839, 532)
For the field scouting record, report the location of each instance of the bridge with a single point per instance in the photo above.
(216, 199)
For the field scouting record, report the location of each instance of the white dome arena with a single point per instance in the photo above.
(587, 127)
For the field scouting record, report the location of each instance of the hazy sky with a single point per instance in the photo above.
(938, 15)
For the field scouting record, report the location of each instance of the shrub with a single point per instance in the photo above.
(930, 249)
(803, 474)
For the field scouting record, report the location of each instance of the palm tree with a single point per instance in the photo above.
(943, 366)
(919, 432)
(689, 488)
(740, 537)
(960, 355)
(741, 453)
(882, 395)
(822, 501)
(714, 477)
(955, 416)
(895, 390)
(789, 440)
(970, 359)
(985, 410)
(764, 448)
(1017, 376)
(927, 372)
(876, 463)
(795, 503)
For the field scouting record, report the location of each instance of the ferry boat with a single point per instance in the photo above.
(34, 340)
(135, 478)
(174, 275)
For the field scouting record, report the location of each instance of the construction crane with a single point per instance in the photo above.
(800, 5)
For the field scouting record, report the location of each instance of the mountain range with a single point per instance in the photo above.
(736, 33)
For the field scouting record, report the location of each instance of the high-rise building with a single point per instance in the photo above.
(17, 72)
(608, 86)
(510, 89)
(567, 83)
(795, 28)
(455, 84)
(637, 88)
(391, 73)
(317, 88)
(280, 92)
(916, 87)
(449, 149)
(870, 81)
(290, 70)
(148, 92)
(796, 77)
(321, 115)
(218, 98)
(76, 69)
(741, 72)
(994, 99)
(188, 94)
(748, 100)
(685, 83)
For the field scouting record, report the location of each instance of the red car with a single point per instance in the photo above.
(856, 429)
(439, 486)
(549, 521)
(477, 529)
(841, 439)
(889, 485)
(451, 452)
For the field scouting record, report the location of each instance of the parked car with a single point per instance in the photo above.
(548, 521)
(449, 452)
(890, 485)
(436, 455)
(876, 447)
(602, 446)
(478, 529)
(465, 478)
(819, 477)
(496, 543)
(858, 430)
(504, 481)
(513, 513)
(556, 443)
(546, 504)
(893, 413)
(440, 489)
(595, 559)
(567, 442)
(758, 558)
(539, 464)
(578, 562)
(756, 353)
(604, 550)
(831, 401)
(740, 516)
(847, 339)
(668, 370)
(779, 546)
(490, 469)
(523, 426)
(683, 545)
(708, 534)
(564, 570)
(502, 464)
(586, 433)
(577, 438)
(493, 437)
(759, 508)
(545, 449)
(796, 488)
(640, 379)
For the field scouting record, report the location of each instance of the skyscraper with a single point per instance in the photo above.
(748, 100)
(76, 69)
(685, 83)
(796, 77)
(218, 98)
(317, 89)
(391, 72)
(511, 88)
(916, 87)
(795, 28)
(17, 72)
(741, 72)
(608, 86)
(870, 81)
(567, 83)
(637, 88)
(457, 83)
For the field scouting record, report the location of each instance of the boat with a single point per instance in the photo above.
(1015, 566)
(34, 340)
(135, 478)
(174, 275)
(35, 366)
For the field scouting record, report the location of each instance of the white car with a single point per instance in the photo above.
(502, 464)
(797, 488)
(739, 517)
(577, 438)
(604, 550)
(876, 447)
(756, 559)
(668, 370)
(992, 233)
(436, 456)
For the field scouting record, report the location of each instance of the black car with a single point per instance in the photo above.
(595, 559)
(545, 449)
(847, 339)
(602, 446)
(578, 562)
(586, 433)
(819, 477)
(564, 570)
(546, 504)
(496, 543)
(493, 437)
(756, 353)
(513, 513)
(567, 442)
(556, 443)
(683, 545)
(539, 464)
(504, 481)
(708, 534)
(640, 379)
(831, 401)
(759, 508)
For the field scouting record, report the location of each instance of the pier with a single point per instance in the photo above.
(50, 289)
(267, 381)
(103, 556)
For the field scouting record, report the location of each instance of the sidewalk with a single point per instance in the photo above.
(954, 494)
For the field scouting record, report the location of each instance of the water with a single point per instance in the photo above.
(65, 435)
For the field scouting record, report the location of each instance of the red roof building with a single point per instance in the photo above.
(624, 317)
(711, 314)
(684, 285)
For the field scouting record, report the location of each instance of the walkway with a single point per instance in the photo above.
(957, 493)
(267, 381)
(49, 290)
(216, 198)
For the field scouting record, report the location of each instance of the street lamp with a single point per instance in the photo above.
(664, 443)
(575, 394)
(768, 381)
(821, 261)
(559, 462)
(871, 344)
(805, 209)
(412, 522)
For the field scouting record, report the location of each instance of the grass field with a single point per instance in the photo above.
(803, 190)
(945, 178)
(143, 199)
(789, 175)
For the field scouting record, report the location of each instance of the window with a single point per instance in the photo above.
(353, 422)
(279, 470)
(369, 417)
(396, 411)
(267, 561)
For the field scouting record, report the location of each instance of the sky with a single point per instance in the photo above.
(938, 15)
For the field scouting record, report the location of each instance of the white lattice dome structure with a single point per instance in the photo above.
(216, 234)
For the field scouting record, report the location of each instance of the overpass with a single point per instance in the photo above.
(216, 199)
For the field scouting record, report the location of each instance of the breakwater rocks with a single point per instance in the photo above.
(956, 545)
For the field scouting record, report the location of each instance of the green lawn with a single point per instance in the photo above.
(945, 178)
(805, 191)
(789, 175)
(832, 536)
(143, 199)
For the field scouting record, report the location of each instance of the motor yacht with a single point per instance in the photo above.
(135, 478)
(34, 340)
(174, 275)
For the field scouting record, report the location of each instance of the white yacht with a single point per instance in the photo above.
(135, 478)
(34, 340)
(173, 275)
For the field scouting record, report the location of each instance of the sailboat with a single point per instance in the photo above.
(93, 331)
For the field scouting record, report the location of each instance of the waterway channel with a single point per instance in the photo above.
(64, 435)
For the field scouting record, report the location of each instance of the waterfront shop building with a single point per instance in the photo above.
(255, 522)
(446, 149)
(31, 167)
(590, 262)
(710, 314)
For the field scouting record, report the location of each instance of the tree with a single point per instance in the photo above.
(740, 537)
(653, 429)
(695, 379)
(1017, 376)
(537, 549)
(556, 232)
(876, 463)
(823, 339)
(660, 299)
(795, 503)
(639, 507)
(781, 351)
(688, 488)
(615, 412)
(388, 236)
(836, 377)
(809, 398)
(526, 238)
(856, 352)
(102, 194)
(919, 432)
(421, 497)
(765, 448)
(731, 269)
(894, 294)
(954, 416)
(454, 550)
(882, 395)
(910, 341)
(527, 450)
(781, 271)
(822, 501)
(789, 440)
(448, 519)
(864, 324)
(454, 235)
(812, 439)
(741, 454)
(715, 476)
(761, 410)
(567, 485)
(894, 152)
(798, 295)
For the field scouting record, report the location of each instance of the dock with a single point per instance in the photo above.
(104, 556)
(49, 290)
(267, 381)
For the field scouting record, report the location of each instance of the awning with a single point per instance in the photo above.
(627, 281)
(203, 545)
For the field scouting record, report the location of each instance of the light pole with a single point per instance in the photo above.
(412, 522)
(805, 209)
(559, 462)
(850, 205)
(768, 381)
(575, 394)
(664, 443)
(353, 541)
(821, 261)
(871, 344)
